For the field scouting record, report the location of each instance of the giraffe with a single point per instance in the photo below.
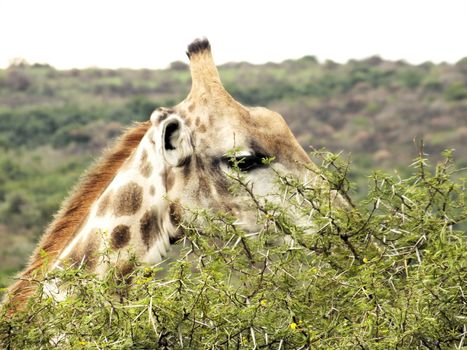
(133, 199)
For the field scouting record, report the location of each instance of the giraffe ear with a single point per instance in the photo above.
(176, 141)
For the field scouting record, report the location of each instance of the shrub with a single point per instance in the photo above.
(456, 92)
(385, 273)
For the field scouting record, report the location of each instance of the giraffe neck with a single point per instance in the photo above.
(130, 219)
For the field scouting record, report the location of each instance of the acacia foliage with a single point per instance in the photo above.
(388, 272)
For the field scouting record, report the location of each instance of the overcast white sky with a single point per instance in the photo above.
(151, 34)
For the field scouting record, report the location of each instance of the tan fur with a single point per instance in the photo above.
(73, 213)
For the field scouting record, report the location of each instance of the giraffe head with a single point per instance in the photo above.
(194, 139)
(134, 198)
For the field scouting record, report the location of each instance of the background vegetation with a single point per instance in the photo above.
(54, 123)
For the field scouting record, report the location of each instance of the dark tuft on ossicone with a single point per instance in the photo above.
(197, 46)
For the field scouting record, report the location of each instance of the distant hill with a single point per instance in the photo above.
(53, 122)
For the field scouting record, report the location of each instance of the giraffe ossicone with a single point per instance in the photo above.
(132, 200)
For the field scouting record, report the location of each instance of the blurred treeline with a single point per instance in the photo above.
(53, 123)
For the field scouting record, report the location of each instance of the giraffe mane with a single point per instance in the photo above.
(74, 211)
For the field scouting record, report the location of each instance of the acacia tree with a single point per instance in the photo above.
(387, 272)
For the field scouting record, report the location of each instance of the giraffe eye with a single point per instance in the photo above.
(245, 162)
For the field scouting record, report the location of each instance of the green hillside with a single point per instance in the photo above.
(54, 123)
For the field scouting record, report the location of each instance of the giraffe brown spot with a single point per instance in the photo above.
(124, 277)
(144, 156)
(149, 227)
(128, 199)
(199, 169)
(74, 258)
(120, 237)
(145, 166)
(198, 121)
(191, 107)
(152, 190)
(126, 268)
(187, 168)
(188, 122)
(203, 186)
(202, 128)
(175, 212)
(85, 253)
(220, 182)
(88, 251)
(170, 180)
(146, 170)
(199, 164)
(104, 204)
